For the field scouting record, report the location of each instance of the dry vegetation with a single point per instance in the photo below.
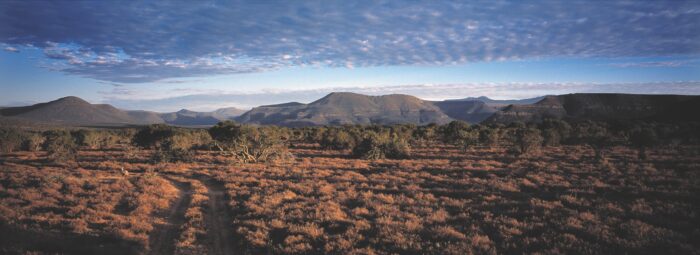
(480, 190)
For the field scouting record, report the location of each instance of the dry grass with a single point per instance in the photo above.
(442, 201)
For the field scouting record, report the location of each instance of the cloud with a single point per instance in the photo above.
(150, 41)
(677, 63)
(11, 49)
(203, 100)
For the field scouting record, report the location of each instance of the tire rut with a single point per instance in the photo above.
(218, 220)
(163, 239)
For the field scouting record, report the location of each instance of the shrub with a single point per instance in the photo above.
(250, 144)
(594, 134)
(10, 140)
(642, 138)
(32, 142)
(379, 146)
(153, 136)
(424, 135)
(90, 138)
(60, 146)
(453, 131)
(159, 135)
(554, 132)
(528, 140)
(337, 139)
(489, 136)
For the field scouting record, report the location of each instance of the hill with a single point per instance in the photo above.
(348, 108)
(604, 107)
(74, 111)
(496, 102)
(467, 110)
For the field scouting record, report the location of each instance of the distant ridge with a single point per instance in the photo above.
(599, 106)
(341, 108)
(74, 111)
(496, 102)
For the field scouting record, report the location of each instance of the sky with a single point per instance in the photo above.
(203, 55)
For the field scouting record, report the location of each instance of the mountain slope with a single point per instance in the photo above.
(466, 110)
(72, 111)
(605, 107)
(496, 102)
(76, 111)
(348, 108)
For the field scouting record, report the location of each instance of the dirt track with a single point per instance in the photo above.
(163, 238)
(218, 219)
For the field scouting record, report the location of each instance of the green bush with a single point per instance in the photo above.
(11, 140)
(60, 146)
(453, 131)
(169, 153)
(32, 141)
(489, 136)
(153, 136)
(384, 145)
(529, 140)
(156, 136)
(250, 144)
(425, 135)
(337, 139)
(555, 132)
(90, 138)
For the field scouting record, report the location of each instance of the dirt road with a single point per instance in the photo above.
(164, 237)
(218, 220)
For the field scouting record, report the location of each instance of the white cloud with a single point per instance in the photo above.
(116, 42)
(211, 99)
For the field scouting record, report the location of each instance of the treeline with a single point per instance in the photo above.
(250, 144)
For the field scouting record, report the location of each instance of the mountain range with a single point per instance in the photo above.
(74, 111)
(604, 107)
(340, 108)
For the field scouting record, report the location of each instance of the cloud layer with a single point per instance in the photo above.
(210, 100)
(133, 42)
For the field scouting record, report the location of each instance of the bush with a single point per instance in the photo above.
(528, 140)
(32, 142)
(424, 135)
(90, 138)
(159, 135)
(489, 136)
(10, 140)
(642, 138)
(453, 131)
(554, 132)
(594, 134)
(153, 136)
(337, 139)
(379, 146)
(60, 146)
(250, 144)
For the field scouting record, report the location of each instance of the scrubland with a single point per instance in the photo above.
(441, 198)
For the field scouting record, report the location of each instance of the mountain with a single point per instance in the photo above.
(604, 107)
(72, 111)
(189, 118)
(348, 108)
(467, 110)
(227, 113)
(496, 102)
(75, 111)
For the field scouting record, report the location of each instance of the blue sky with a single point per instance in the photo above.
(165, 56)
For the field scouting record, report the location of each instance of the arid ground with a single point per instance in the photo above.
(443, 200)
